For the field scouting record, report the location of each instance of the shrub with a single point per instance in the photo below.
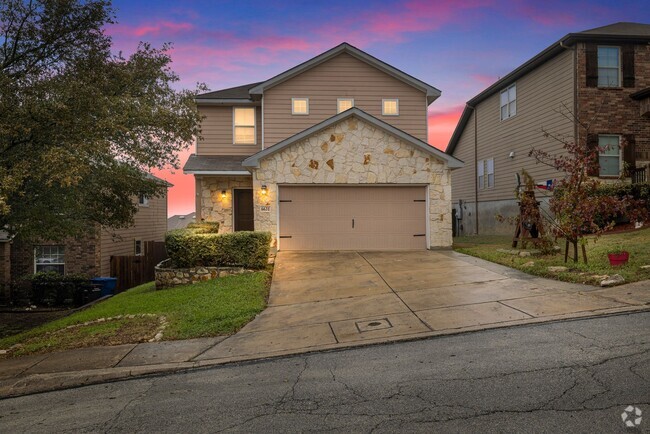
(189, 248)
(55, 289)
(636, 191)
(204, 227)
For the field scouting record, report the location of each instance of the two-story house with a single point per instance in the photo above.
(329, 155)
(601, 76)
(88, 255)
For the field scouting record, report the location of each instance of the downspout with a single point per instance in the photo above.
(475, 167)
(262, 122)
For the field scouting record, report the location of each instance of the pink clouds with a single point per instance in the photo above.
(160, 28)
(442, 125)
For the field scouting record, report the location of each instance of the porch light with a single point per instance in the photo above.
(264, 190)
(223, 194)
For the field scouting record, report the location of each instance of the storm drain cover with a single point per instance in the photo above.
(375, 324)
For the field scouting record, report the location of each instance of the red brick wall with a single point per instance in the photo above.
(81, 256)
(619, 114)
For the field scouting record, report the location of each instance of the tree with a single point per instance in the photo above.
(578, 208)
(79, 125)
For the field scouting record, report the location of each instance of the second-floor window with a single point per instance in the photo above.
(609, 67)
(390, 107)
(244, 125)
(299, 106)
(143, 200)
(609, 155)
(509, 102)
(343, 104)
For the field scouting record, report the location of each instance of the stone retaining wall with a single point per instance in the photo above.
(167, 277)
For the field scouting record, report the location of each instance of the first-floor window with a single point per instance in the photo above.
(137, 247)
(609, 155)
(49, 258)
(485, 172)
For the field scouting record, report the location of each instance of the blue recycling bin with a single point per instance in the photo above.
(107, 284)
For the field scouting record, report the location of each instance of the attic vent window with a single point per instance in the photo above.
(390, 107)
(299, 106)
(344, 104)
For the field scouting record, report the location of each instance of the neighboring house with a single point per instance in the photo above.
(602, 75)
(329, 155)
(89, 255)
(180, 221)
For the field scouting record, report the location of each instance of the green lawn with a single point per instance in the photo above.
(215, 307)
(636, 242)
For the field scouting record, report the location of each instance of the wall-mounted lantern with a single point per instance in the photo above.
(223, 194)
(264, 190)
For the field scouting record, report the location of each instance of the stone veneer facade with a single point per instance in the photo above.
(213, 207)
(357, 153)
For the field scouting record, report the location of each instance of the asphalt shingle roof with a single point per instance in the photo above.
(226, 163)
(239, 92)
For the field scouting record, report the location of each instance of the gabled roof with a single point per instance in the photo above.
(432, 92)
(254, 160)
(253, 91)
(621, 32)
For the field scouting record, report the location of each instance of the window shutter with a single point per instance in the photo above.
(627, 63)
(629, 151)
(592, 143)
(591, 61)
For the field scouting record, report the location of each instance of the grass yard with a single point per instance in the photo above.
(215, 307)
(636, 242)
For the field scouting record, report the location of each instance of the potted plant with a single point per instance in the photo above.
(618, 256)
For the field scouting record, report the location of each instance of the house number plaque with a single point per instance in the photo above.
(265, 208)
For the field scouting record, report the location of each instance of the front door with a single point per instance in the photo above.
(244, 215)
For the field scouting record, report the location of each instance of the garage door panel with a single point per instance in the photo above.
(320, 218)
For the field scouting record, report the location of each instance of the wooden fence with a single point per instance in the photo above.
(135, 270)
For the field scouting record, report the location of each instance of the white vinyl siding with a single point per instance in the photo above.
(244, 125)
(390, 107)
(609, 155)
(299, 106)
(49, 259)
(609, 67)
(509, 102)
(343, 104)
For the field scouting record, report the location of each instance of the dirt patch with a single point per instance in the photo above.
(14, 322)
(113, 332)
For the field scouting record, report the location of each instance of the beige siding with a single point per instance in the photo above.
(217, 132)
(150, 225)
(462, 180)
(344, 76)
(540, 94)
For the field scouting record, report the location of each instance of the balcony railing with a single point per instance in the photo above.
(639, 174)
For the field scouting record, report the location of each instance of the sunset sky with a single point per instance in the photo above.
(460, 47)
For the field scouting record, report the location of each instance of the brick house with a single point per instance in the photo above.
(89, 255)
(328, 155)
(602, 75)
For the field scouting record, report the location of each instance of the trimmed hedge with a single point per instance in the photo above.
(637, 191)
(54, 289)
(194, 248)
(204, 227)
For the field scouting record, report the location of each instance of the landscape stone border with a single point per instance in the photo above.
(167, 276)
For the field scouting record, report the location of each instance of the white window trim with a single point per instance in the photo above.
(143, 201)
(234, 141)
(480, 167)
(507, 104)
(51, 263)
(620, 68)
(299, 114)
(620, 156)
(487, 174)
(338, 101)
(383, 112)
(135, 249)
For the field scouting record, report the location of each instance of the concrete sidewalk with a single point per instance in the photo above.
(323, 301)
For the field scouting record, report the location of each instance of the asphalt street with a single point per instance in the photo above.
(573, 376)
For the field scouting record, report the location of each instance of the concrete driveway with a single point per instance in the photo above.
(322, 300)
